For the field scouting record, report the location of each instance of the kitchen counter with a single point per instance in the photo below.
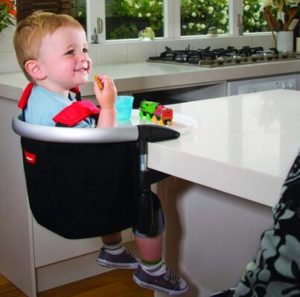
(243, 145)
(134, 77)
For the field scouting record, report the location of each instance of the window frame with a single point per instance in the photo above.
(96, 17)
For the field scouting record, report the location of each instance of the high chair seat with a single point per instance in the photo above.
(86, 182)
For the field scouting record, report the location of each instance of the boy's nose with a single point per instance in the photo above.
(84, 57)
(85, 61)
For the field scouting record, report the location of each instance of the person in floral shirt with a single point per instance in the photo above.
(275, 272)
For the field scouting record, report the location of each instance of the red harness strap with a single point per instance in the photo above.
(25, 95)
(70, 115)
(76, 112)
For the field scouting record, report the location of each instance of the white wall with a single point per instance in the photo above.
(8, 62)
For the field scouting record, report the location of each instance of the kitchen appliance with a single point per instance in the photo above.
(221, 57)
(238, 87)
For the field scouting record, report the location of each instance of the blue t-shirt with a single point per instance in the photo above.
(43, 105)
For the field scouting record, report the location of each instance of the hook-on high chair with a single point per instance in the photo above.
(86, 182)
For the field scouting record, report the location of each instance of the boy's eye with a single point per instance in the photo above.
(85, 50)
(70, 52)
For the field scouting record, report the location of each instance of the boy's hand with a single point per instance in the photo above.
(106, 98)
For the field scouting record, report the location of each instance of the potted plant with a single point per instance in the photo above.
(282, 17)
(7, 20)
(7, 13)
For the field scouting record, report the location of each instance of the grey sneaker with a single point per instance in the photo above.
(168, 282)
(124, 260)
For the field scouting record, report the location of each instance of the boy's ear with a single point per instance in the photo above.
(35, 70)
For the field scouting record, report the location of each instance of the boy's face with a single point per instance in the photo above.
(64, 59)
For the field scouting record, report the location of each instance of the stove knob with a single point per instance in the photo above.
(220, 61)
(237, 59)
(254, 58)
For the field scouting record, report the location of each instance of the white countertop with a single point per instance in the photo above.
(143, 76)
(243, 145)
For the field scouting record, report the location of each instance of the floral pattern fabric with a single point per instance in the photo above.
(276, 270)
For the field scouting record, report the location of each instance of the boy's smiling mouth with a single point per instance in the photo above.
(83, 69)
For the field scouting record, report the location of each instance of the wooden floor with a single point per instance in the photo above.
(117, 283)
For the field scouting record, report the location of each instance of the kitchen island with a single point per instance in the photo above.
(226, 176)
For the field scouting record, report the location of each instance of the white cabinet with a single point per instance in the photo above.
(211, 235)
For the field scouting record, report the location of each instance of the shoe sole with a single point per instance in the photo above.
(157, 288)
(117, 265)
(228, 292)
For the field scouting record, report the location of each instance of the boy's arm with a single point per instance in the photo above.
(107, 118)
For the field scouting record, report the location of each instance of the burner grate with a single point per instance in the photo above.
(222, 56)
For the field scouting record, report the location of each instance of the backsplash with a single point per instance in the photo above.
(139, 51)
(135, 51)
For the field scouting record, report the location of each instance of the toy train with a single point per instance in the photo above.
(156, 112)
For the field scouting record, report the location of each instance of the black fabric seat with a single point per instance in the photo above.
(92, 187)
(82, 190)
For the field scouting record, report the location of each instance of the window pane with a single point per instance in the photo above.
(253, 19)
(126, 18)
(75, 8)
(80, 12)
(202, 17)
(27, 7)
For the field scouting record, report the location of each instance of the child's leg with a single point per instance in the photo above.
(152, 272)
(114, 254)
(112, 239)
(150, 248)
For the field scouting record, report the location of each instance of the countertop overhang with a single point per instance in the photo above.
(243, 145)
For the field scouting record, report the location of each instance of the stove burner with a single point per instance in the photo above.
(221, 56)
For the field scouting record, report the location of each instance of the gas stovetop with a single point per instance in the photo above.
(222, 56)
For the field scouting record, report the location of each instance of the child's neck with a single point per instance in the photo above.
(54, 89)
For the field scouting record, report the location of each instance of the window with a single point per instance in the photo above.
(123, 19)
(126, 18)
(253, 17)
(80, 11)
(26, 7)
(202, 17)
(75, 8)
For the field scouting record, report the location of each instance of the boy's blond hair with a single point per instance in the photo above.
(30, 32)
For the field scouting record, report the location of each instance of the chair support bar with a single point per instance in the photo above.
(74, 135)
